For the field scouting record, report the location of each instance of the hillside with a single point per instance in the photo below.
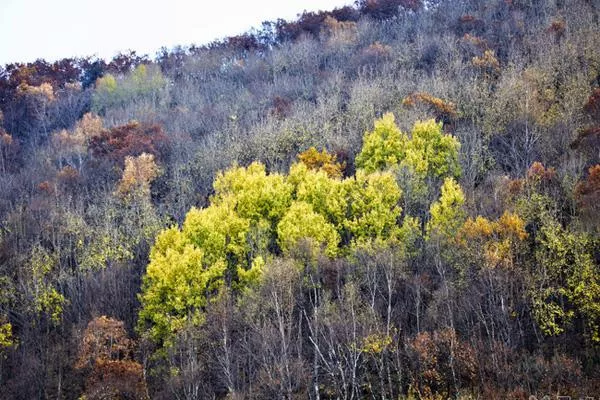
(399, 199)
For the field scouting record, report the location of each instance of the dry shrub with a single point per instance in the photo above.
(443, 110)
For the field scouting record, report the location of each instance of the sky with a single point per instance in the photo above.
(55, 29)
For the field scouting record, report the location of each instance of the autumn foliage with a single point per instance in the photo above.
(106, 357)
(131, 139)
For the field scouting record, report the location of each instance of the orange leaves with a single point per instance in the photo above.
(538, 173)
(497, 241)
(341, 32)
(440, 360)
(442, 109)
(488, 63)
(106, 352)
(322, 161)
(511, 226)
(104, 339)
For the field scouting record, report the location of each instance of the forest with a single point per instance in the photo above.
(398, 199)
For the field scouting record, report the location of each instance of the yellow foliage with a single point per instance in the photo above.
(487, 62)
(498, 241)
(340, 32)
(139, 172)
(6, 336)
(376, 343)
(45, 90)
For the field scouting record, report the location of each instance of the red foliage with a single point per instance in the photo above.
(131, 139)
(587, 192)
(125, 62)
(538, 172)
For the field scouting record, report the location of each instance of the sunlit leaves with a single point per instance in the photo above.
(322, 161)
(255, 195)
(384, 147)
(139, 172)
(301, 222)
(447, 214)
(432, 153)
(429, 152)
(6, 336)
(373, 207)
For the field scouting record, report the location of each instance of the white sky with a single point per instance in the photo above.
(55, 29)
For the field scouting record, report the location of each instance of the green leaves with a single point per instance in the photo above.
(143, 82)
(565, 282)
(6, 336)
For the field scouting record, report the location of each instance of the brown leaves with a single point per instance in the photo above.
(131, 139)
(592, 107)
(437, 357)
(341, 32)
(106, 352)
(488, 63)
(104, 339)
(45, 90)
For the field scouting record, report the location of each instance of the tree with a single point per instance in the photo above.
(106, 357)
(384, 147)
(144, 82)
(139, 172)
(374, 211)
(177, 285)
(447, 214)
(301, 222)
